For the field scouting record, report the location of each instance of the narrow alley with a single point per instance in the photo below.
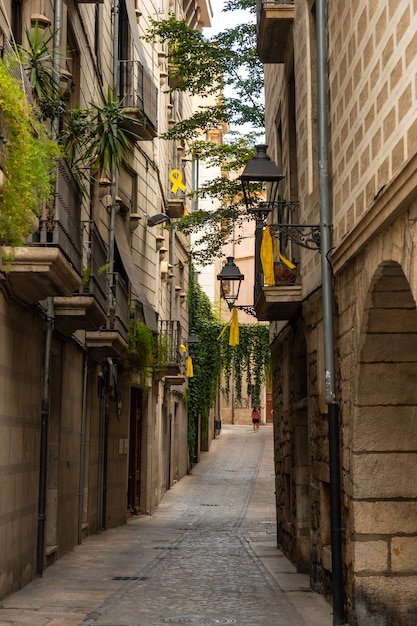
(206, 556)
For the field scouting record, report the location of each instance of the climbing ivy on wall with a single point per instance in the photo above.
(214, 359)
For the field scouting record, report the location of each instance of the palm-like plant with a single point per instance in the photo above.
(99, 138)
(37, 62)
(110, 138)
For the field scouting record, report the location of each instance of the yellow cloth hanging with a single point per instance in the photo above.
(267, 257)
(234, 329)
(190, 371)
(282, 257)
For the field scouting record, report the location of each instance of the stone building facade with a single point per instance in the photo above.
(372, 97)
(85, 438)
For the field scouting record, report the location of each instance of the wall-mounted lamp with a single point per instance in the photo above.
(192, 342)
(232, 274)
(159, 218)
(259, 171)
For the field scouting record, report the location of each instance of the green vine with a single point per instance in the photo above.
(28, 160)
(141, 345)
(214, 358)
(251, 358)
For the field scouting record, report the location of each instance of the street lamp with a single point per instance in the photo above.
(230, 273)
(192, 342)
(261, 169)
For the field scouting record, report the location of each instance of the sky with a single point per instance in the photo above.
(221, 20)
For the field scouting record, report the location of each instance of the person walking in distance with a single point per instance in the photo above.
(256, 418)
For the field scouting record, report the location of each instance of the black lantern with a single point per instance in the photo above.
(230, 274)
(260, 170)
(192, 342)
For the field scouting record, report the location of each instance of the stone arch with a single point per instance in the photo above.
(384, 454)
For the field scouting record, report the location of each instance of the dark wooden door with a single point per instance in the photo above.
(133, 492)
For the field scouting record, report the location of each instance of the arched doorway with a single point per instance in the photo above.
(384, 456)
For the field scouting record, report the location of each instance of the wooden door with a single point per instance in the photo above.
(133, 492)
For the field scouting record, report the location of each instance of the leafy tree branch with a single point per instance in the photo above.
(225, 66)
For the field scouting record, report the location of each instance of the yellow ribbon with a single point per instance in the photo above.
(267, 257)
(190, 371)
(234, 329)
(282, 257)
(175, 176)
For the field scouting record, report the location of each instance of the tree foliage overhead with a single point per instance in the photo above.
(226, 72)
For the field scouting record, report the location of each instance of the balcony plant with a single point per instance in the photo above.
(37, 62)
(139, 356)
(98, 138)
(285, 271)
(28, 160)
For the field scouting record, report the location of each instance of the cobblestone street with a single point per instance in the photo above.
(207, 556)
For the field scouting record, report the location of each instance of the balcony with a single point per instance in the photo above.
(168, 363)
(112, 340)
(274, 23)
(86, 310)
(50, 264)
(176, 190)
(139, 95)
(281, 301)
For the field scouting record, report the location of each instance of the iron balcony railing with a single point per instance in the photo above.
(94, 275)
(121, 306)
(60, 225)
(138, 90)
(169, 340)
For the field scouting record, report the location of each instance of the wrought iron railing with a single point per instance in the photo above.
(138, 90)
(60, 225)
(95, 259)
(169, 340)
(121, 311)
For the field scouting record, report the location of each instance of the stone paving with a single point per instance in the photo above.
(208, 555)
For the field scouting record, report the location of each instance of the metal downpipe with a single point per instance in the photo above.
(50, 318)
(82, 452)
(43, 462)
(328, 321)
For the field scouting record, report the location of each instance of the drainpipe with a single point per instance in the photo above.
(56, 57)
(82, 452)
(113, 165)
(328, 321)
(49, 326)
(44, 436)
